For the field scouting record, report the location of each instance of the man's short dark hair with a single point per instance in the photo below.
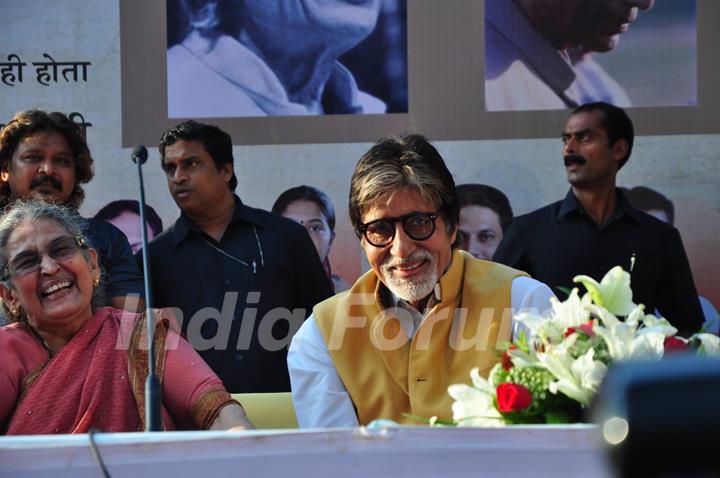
(616, 123)
(306, 193)
(646, 199)
(216, 142)
(30, 122)
(489, 197)
(115, 208)
(392, 164)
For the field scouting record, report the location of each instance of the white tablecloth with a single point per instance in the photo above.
(536, 451)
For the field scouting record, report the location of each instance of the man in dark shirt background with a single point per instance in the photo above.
(44, 157)
(594, 228)
(243, 279)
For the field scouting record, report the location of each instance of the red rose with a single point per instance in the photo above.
(586, 328)
(506, 361)
(674, 344)
(512, 397)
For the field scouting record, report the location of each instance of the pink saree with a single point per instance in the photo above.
(97, 381)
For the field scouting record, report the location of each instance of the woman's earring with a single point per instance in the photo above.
(96, 281)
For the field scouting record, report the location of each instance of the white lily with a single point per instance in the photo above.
(578, 378)
(613, 292)
(637, 316)
(624, 342)
(474, 406)
(625, 328)
(570, 313)
(659, 325)
(494, 372)
(709, 344)
(523, 359)
(531, 320)
(607, 319)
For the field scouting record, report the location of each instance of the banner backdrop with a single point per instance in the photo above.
(106, 62)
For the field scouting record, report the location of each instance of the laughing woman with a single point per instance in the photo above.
(68, 365)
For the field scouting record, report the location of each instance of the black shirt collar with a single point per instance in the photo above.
(622, 208)
(242, 213)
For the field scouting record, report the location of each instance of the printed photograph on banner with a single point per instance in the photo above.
(555, 54)
(255, 58)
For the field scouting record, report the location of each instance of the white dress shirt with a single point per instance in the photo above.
(221, 77)
(523, 71)
(321, 399)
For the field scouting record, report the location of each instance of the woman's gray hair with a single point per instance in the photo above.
(20, 212)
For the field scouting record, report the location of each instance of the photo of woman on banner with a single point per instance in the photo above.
(233, 58)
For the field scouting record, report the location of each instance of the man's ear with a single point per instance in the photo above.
(453, 235)
(620, 149)
(227, 170)
(5, 170)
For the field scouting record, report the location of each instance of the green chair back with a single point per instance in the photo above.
(269, 410)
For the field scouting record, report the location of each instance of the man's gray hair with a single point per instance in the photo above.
(409, 162)
(20, 212)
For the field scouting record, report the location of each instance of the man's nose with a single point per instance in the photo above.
(47, 167)
(569, 147)
(179, 175)
(402, 245)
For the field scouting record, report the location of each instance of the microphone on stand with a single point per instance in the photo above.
(153, 399)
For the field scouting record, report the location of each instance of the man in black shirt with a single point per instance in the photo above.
(242, 279)
(594, 228)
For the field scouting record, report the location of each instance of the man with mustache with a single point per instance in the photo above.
(595, 228)
(44, 156)
(422, 317)
(242, 278)
(538, 53)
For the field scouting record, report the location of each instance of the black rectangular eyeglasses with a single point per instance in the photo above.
(417, 225)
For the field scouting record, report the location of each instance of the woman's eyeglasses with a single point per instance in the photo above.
(27, 262)
(381, 232)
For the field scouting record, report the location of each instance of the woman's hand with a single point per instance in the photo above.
(232, 418)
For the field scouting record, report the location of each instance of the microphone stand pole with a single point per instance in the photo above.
(153, 422)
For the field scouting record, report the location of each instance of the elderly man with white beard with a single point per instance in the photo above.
(421, 318)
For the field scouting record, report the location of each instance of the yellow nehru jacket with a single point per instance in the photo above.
(387, 375)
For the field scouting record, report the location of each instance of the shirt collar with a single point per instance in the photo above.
(568, 205)
(551, 64)
(184, 225)
(622, 208)
(411, 321)
(242, 67)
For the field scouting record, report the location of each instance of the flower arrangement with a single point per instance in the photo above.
(554, 374)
